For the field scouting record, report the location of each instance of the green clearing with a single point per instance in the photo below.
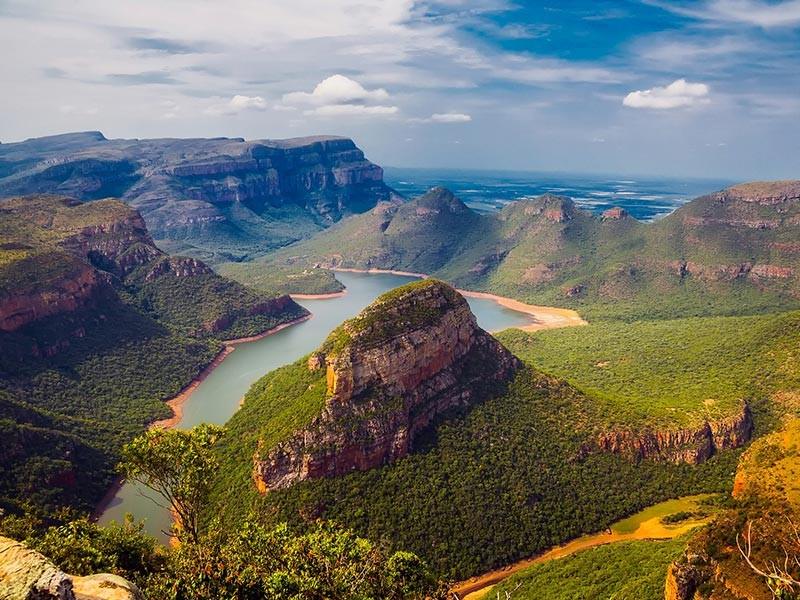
(660, 510)
(669, 372)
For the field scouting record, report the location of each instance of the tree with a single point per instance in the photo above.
(179, 466)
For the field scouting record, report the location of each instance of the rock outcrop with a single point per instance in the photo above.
(691, 445)
(27, 575)
(413, 355)
(76, 285)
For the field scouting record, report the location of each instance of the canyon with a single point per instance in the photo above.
(218, 198)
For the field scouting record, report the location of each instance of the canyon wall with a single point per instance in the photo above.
(223, 196)
(410, 357)
(691, 445)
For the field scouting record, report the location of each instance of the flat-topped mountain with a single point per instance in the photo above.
(732, 252)
(408, 358)
(207, 197)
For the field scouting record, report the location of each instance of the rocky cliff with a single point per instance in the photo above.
(27, 575)
(407, 359)
(691, 445)
(60, 256)
(216, 196)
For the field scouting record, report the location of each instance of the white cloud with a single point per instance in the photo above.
(678, 94)
(337, 89)
(340, 96)
(351, 110)
(70, 109)
(236, 105)
(443, 118)
(750, 12)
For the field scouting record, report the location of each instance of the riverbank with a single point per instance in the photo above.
(645, 525)
(177, 402)
(544, 317)
(318, 296)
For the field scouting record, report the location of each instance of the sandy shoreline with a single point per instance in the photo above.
(176, 402)
(318, 296)
(545, 317)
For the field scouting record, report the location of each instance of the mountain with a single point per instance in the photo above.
(411, 425)
(97, 328)
(215, 199)
(732, 252)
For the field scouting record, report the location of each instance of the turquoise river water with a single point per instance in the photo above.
(218, 396)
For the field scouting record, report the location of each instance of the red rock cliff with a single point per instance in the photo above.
(690, 445)
(408, 358)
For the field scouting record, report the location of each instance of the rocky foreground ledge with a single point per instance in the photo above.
(27, 575)
(414, 354)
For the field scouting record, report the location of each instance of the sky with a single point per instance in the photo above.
(705, 88)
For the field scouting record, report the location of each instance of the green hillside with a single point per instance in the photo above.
(623, 571)
(728, 253)
(99, 327)
(483, 489)
(677, 372)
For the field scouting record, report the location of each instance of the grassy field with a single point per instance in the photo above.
(676, 372)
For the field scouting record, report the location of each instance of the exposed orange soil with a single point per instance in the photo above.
(651, 529)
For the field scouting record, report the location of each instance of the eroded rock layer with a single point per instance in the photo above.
(411, 356)
(691, 445)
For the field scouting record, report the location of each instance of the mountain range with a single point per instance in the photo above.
(731, 252)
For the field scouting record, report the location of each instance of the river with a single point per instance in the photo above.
(218, 396)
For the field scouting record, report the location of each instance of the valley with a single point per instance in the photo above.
(473, 389)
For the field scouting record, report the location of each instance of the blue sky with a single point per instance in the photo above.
(700, 88)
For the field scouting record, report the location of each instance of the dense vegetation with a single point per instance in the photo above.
(709, 257)
(674, 372)
(76, 385)
(274, 280)
(503, 481)
(623, 571)
(254, 561)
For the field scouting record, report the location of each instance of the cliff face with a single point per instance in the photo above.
(690, 445)
(27, 575)
(59, 256)
(408, 358)
(218, 195)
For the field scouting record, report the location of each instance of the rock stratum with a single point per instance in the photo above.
(410, 357)
(211, 198)
(692, 445)
(60, 256)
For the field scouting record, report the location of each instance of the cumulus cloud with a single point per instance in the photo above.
(678, 94)
(337, 89)
(338, 95)
(236, 105)
(449, 117)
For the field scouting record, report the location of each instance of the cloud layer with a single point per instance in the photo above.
(520, 84)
